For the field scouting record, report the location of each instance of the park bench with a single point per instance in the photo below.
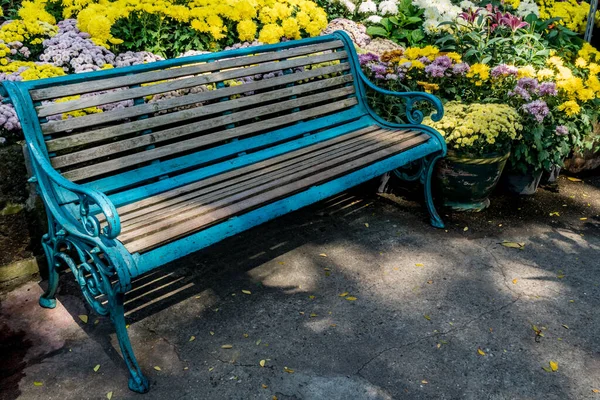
(192, 150)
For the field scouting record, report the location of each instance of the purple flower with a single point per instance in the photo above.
(378, 69)
(519, 91)
(424, 60)
(460, 68)
(562, 130)
(513, 22)
(538, 109)
(547, 89)
(443, 61)
(528, 83)
(367, 58)
(436, 71)
(504, 70)
(379, 76)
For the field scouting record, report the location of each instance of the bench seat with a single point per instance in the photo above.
(140, 166)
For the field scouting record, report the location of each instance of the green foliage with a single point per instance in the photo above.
(162, 36)
(10, 8)
(405, 28)
(334, 9)
(555, 36)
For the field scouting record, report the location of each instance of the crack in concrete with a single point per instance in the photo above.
(436, 334)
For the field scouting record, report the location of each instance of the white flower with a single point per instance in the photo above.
(527, 7)
(350, 6)
(367, 7)
(467, 5)
(374, 19)
(388, 7)
(430, 26)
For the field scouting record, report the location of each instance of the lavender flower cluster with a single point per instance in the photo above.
(8, 118)
(130, 58)
(527, 89)
(73, 50)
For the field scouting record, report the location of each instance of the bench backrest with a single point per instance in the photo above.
(163, 119)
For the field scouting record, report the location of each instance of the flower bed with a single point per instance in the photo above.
(525, 54)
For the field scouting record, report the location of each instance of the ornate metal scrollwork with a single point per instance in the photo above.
(92, 271)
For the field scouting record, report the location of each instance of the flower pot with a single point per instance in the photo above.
(550, 177)
(522, 184)
(465, 181)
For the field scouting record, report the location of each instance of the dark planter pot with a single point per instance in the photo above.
(465, 181)
(522, 184)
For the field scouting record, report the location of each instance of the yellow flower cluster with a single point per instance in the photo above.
(577, 87)
(413, 54)
(28, 32)
(31, 70)
(278, 18)
(77, 113)
(573, 14)
(479, 73)
(466, 126)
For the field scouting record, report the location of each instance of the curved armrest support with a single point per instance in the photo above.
(87, 197)
(414, 116)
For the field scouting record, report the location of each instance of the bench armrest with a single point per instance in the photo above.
(414, 116)
(87, 197)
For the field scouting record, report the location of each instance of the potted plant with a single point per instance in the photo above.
(479, 138)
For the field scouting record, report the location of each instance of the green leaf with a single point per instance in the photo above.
(376, 31)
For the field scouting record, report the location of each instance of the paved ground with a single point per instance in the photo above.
(438, 314)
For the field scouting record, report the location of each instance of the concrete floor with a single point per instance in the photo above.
(438, 314)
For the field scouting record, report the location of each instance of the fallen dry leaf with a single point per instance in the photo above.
(572, 179)
(211, 368)
(109, 395)
(424, 382)
(262, 363)
(583, 219)
(596, 390)
(343, 294)
(367, 224)
(227, 346)
(246, 292)
(547, 369)
(466, 228)
(38, 383)
(418, 265)
(245, 335)
(264, 386)
(351, 298)
(513, 245)
(554, 366)
(427, 317)
(480, 352)
(192, 338)
(288, 370)
(333, 325)
(97, 367)
(515, 281)
(313, 315)
(311, 297)
(323, 255)
(565, 326)
(156, 367)
(211, 333)
(84, 318)
(555, 214)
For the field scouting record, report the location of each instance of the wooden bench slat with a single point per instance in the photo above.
(178, 84)
(90, 120)
(176, 72)
(279, 141)
(190, 144)
(134, 209)
(199, 207)
(193, 224)
(165, 210)
(151, 123)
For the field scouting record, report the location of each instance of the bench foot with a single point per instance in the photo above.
(137, 381)
(426, 178)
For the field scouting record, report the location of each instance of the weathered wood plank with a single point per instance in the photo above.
(200, 207)
(158, 75)
(176, 117)
(254, 169)
(91, 120)
(166, 210)
(191, 225)
(133, 159)
(178, 84)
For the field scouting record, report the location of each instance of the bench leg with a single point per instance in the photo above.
(426, 178)
(48, 299)
(137, 381)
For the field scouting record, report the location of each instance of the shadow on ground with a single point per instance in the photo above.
(438, 313)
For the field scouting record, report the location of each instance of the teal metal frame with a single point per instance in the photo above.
(100, 263)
